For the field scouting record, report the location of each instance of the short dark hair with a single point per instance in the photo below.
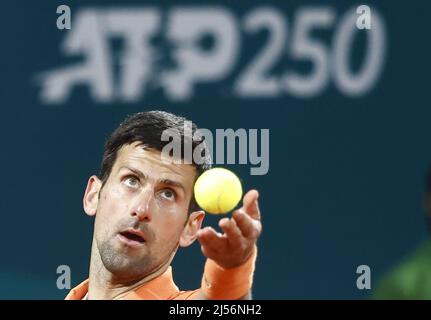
(147, 128)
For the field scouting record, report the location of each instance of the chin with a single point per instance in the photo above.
(125, 263)
(129, 270)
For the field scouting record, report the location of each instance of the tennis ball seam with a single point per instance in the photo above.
(218, 201)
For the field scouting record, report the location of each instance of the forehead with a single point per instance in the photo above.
(149, 162)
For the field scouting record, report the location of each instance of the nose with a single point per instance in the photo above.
(142, 208)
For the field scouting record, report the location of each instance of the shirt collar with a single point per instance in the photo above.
(161, 288)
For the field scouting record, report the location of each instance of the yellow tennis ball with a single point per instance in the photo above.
(218, 190)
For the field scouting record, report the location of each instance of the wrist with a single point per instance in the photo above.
(228, 283)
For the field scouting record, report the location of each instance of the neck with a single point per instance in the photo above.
(104, 285)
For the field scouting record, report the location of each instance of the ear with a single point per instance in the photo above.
(91, 196)
(190, 231)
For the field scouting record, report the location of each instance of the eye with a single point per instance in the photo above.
(131, 182)
(168, 194)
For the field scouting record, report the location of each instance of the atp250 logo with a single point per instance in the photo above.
(178, 49)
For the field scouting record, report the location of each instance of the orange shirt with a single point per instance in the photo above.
(160, 288)
(216, 283)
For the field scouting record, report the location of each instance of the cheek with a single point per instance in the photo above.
(113, 201)
(116, 192)
(111, 208)
(170, 228)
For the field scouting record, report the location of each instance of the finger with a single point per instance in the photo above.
(232, 232)
(250, 204)
(208, 233)
(211, 239)
(249, 227)
(209, 253)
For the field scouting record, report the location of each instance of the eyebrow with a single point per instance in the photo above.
(165, 181)
(172, 183)
(135, 171)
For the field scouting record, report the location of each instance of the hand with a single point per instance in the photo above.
(236, 245)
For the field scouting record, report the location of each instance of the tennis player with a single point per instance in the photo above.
(145, 210)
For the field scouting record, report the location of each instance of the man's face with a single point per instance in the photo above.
(141, 211)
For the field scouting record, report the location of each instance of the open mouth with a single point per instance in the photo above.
(132, 238)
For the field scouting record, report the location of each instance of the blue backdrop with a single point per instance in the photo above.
(347, 159)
